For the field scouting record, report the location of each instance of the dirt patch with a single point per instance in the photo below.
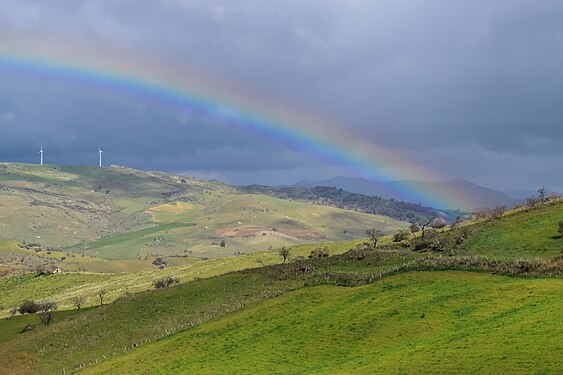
(254, 231)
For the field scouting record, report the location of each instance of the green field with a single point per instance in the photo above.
(120, 214)
(62, 288)
(522, 234)
(487, 300)
(438, 322)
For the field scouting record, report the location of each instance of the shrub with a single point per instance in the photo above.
(415, 228)
(438, 245)
(29, 307)
(165, 282)
(358, 253)
(159, 262)
(438, 223)
(401, 235)
(320, 252)
(498, 211)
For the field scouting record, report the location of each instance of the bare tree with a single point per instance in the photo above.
(78, 302)
(429, 222)
(414, 228)
(374, 235)
(46, 309)
(102, 293)
(285, 253)
(13, 311)
(542, 194)
(498, 211)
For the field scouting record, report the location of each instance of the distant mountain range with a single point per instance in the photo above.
(479, 196)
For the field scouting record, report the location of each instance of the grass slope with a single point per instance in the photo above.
(117, 213)
(521, 234)
(438, 322)
(62, 288)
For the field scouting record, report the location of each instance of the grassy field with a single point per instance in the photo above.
(362, 310)
(440, 322)
(62, 288)
(117, 213)
(105, 331)
(522, 234)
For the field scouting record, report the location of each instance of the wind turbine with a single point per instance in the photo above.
(41, 153)
(100, 155)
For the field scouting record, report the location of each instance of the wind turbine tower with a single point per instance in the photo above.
(41, 153)
(100, 155)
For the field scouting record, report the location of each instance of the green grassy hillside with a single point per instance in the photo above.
(62, 288)
(363, 310)
(521, 234)
(440, 322)
(90, 215)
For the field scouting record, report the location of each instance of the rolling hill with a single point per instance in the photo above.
(119, 219)
(481, 197)
(488, 303)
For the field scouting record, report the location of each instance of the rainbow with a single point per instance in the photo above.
(179, 88)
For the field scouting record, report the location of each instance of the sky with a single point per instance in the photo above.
(466, 89)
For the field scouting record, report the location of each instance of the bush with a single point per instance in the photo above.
(401, 235)
(438, 223)
(165, 282)
(359, 252)
(498, 211)
(159, 262)
(29, 307)
(320, 252)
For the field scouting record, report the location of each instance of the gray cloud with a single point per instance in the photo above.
(440, 80)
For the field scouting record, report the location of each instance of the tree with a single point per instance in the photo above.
(13, 312)
(165, 282)
(285, 253)
(28, 307)
(102, 293)
(374, 235)
(46, 308)
(429, 222)
(560, 229)
(414, 228)
(78, 302)
(542, 194)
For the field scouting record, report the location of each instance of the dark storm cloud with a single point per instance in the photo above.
(447, 81)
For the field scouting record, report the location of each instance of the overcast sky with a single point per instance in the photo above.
(472, 89)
